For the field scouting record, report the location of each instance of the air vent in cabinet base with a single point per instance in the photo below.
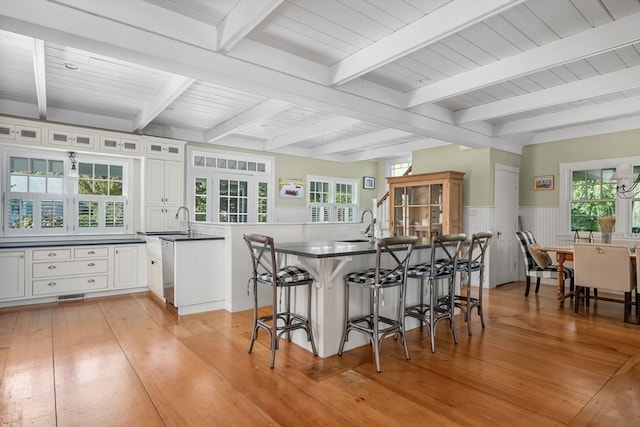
(72, 297)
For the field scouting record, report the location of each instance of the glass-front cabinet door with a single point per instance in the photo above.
(426, 205)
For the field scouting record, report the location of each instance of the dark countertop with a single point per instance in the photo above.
(70, 242)
(189, 238)
(328, 248)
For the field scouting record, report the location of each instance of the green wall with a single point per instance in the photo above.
(545, 159)
(477, 164)
(288, 166)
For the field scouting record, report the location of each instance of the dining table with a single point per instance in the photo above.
(565, 253)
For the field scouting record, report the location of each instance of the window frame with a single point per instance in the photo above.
(333, 208)
(623, 206)
(213, 176)
(69, 195)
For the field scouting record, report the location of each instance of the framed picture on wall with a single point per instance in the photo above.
(543, 182)
(368, 182)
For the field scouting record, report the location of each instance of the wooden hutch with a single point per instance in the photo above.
(426, 205)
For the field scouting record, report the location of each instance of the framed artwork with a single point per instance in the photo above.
(543, 182)
(291, 187)
(368, 182)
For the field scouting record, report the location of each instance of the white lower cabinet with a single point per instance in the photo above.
(13, 272)
(64, 271)
(126, 273)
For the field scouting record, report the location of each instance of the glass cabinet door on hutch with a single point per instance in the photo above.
(426, 205)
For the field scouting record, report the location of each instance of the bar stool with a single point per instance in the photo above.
(378, 279)
(280, 320)
(440, 305)
(474, 262)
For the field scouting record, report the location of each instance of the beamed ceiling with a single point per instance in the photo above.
(342, 80)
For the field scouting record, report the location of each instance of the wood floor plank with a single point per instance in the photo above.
(128, 360)
(185, 390)
(27, 388)
(94, 380)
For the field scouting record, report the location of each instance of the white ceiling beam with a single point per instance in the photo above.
(175, 87)
(443, 22)
(242, 19)
(39, 71)
(608, 36)
(585, 130)
(152, 18)
(260, 111)
(358, 141)
(302, 134)
(73, 28)
(615, 81)
(391, 151)
(602, 111)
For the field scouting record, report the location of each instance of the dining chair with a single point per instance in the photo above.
(540, 268)
(445, 251)
(607, 267)
(394, 252)
(281, 319)
(473, 262)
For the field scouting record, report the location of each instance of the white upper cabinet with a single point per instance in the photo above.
(20, 132)
(67, 138)
(165, 149)
(120, 144)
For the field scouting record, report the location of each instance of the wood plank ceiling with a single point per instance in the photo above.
(343, 80)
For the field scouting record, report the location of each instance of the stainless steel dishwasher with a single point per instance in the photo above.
(168, 276)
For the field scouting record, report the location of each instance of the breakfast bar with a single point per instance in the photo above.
(328, 261)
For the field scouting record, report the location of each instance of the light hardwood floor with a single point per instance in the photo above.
(127, 361)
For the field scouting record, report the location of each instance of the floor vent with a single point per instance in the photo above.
(72, 297)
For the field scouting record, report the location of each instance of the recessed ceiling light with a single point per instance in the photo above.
(71, 67)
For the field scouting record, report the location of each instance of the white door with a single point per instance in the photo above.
(505, 243)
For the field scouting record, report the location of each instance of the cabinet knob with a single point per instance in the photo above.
(91, 264)
(90, 281)
(51, 284)
(52, 254)
(52, 267)
(91, 252)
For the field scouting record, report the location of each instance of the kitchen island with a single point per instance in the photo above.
(328, 262)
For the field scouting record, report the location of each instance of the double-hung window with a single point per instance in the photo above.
(42, 199)
(36, 196)
(589, 191)
(100, 201)
(332, 199)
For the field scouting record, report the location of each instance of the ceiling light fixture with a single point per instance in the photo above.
(623, 191)
(71, 67)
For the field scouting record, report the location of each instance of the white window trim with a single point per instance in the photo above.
(212, 202)
(332, 188)
(623, 206)
(70, 185)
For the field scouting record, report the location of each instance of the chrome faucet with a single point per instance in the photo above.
(371, 234)
(188, 218)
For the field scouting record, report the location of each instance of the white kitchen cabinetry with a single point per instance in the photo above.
(121, 145)
(126, 273)
(163, 186)
(163, 149)
(67, 138)
(69, 270)
(12, 268)
(198, 275)
(20, 132)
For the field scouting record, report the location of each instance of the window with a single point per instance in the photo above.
(587, 192)
(332, 199)
(42, 200)
(593, 195)
(100, 202)
(230, 187)
(36, 196)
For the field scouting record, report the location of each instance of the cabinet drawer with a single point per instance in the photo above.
(91, 252)
(51, 269)
(70, 284)
(51, 254)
